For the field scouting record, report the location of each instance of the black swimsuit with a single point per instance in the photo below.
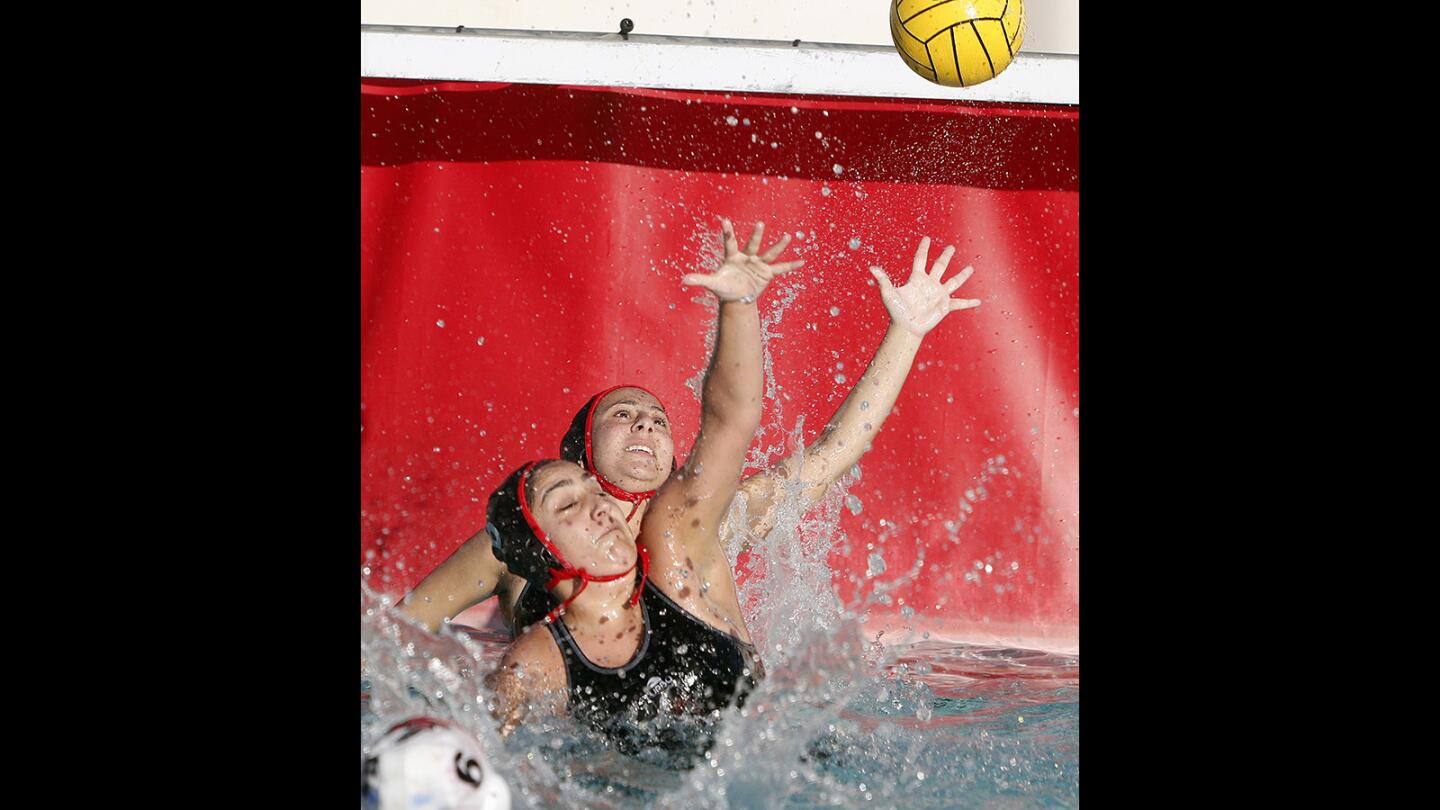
(684, 668)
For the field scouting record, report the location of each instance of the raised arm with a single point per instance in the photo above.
(915, 308)
(730, 398)
(469, 575)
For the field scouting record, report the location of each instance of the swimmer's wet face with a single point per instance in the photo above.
(630, 440)
(585, 524)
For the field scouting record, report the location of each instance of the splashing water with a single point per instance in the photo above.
(839, 721)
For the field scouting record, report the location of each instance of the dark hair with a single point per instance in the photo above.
(511, 537)
(572, 444)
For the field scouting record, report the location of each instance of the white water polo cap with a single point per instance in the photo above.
(430, 764)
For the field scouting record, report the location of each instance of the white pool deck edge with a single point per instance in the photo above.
(692, 63)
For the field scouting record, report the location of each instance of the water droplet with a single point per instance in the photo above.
(824, 191)
(440, 324)
(864, 404)
(854, 244)
(839, 378)
(731, 120)
(853, 504)
(480, 341)
(837, 169)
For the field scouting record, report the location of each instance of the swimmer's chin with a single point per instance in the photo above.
(617, 548)
(645, 470)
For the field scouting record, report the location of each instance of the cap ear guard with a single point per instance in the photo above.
(497, 543)
(511, 536)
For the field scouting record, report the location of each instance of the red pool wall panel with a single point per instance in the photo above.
(521, 248)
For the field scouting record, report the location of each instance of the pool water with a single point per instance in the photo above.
(840, 720)
(839, 723)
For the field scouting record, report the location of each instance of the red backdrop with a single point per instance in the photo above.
(521, 248)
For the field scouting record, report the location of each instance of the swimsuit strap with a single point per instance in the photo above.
(570, 647)
(671, 604)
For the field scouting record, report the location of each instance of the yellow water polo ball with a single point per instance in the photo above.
(957, 43)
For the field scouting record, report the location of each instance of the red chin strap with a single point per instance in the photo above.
(636, 498)
(568, 571)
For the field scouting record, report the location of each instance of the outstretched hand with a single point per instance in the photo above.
(744, 274)
(923, 301)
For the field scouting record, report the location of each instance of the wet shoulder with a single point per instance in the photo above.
(534, 660)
